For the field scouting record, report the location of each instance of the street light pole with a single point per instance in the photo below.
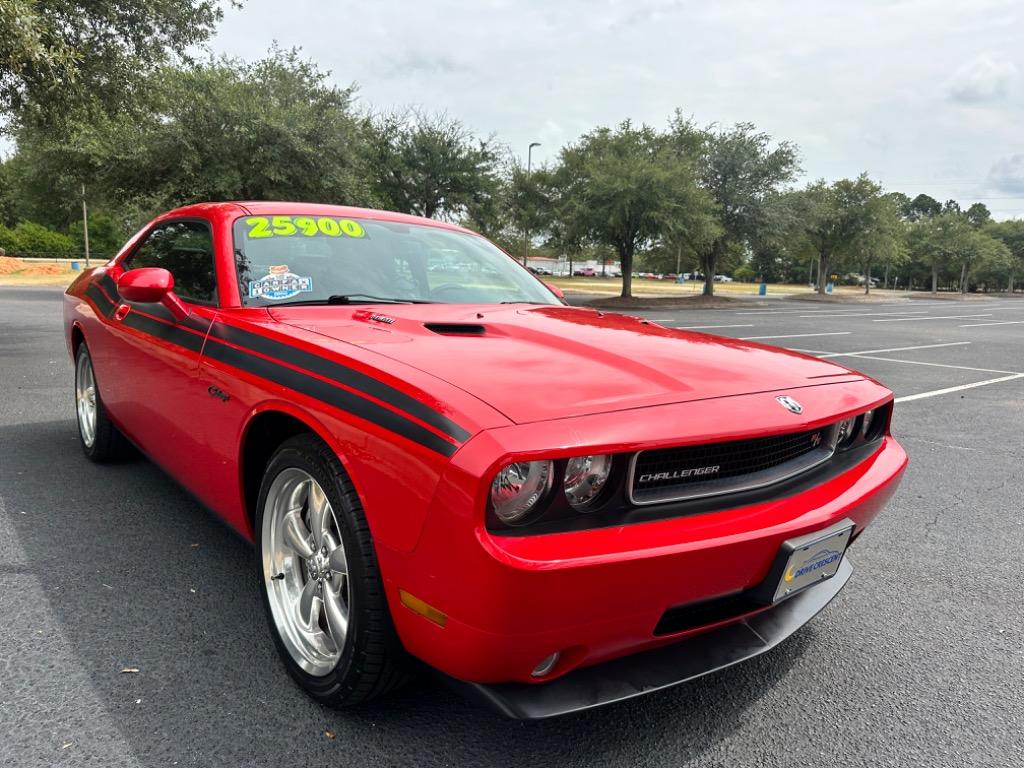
(526, 230)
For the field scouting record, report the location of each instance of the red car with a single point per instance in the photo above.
(554, 507)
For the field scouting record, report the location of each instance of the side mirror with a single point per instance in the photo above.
(555, 290)
(152, 285)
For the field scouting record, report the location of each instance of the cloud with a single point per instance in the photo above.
(982, 79)
(1007, 175)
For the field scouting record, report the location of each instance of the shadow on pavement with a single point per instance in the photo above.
(138, 575)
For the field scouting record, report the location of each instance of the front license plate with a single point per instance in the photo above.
(814, 558)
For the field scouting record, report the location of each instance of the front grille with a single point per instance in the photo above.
(694, 471)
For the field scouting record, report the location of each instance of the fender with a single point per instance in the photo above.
(315, 426)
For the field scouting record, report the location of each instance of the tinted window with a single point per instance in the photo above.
(185, 249)
(311, 258)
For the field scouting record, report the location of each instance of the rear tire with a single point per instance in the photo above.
(320, 581)
(101, 441)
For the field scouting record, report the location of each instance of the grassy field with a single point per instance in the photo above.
(61, 275)
(661, 288)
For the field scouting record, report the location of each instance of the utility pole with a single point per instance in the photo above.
(526, 229)
(85, 226)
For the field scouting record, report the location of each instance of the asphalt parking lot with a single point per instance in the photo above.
(918, 662)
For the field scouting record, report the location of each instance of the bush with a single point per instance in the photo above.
(744, 273)
(31, 239)
(106, 236)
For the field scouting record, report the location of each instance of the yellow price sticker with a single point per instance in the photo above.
(303, 226)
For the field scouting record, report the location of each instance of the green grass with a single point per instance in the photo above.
(613, 287)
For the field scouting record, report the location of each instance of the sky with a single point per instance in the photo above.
(923, 96)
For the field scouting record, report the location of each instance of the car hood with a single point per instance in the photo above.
(534, 363)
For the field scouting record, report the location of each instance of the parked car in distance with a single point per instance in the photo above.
(672, 504)
(723, 279)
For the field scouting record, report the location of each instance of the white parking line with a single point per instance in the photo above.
(773, 312)
(935, 365)
(879, 351)
(948, 390)
(1004, 322)
(701, 327)
(936, 317)
(827, 316)
(796, 335)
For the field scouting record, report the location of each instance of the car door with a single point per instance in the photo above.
(154, 392)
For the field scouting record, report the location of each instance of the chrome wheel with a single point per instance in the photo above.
(305, 571)
(85, 400)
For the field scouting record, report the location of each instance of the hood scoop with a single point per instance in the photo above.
(456, 329)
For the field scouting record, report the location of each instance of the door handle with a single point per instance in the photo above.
(122, 312)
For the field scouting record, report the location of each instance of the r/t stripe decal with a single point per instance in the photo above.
(156, 320)
(329, 394)
(340, 373)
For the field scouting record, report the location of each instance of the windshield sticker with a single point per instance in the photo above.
(279, 284)
(302, 226)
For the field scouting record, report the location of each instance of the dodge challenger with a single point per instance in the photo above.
(440, 464)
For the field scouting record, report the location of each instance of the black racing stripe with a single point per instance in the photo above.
(288, 377)
(157, 310)
(108, 284)
(329, 394)
(103, 304)
(340, 373)
(170, 333)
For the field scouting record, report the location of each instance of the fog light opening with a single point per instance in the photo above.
(546, 665)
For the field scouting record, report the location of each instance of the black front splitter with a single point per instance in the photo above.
(662, 668)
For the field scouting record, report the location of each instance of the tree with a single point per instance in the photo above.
(56, 55)
(978, 215)
(222, 130)
(882, 239)
(923, 207)
(945, 242)
(839, 220)
(740, 171)
(1010, 233)
(625, 187)
(7, 204)
(431, 165)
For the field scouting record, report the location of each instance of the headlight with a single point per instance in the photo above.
(868, 418)
(585, 477)
(844, 432)
(518, 487)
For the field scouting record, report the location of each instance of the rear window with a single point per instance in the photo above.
(309, 259)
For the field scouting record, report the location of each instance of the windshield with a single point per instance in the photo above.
(314, 259)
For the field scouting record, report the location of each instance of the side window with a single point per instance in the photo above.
(185, 249)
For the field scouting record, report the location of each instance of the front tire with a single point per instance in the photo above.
(320, 581)
(101, 441)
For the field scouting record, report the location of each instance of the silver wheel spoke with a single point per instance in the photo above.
(85, 396)
(337, 616)
(338, 562)
(319, 513)
(308, 606)
(296, 534)
(305, 571)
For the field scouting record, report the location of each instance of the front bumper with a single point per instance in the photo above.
(598, 595)
(642, 673)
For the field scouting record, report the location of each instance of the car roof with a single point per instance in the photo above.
(270, 208)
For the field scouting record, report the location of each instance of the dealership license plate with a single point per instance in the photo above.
(814, 558)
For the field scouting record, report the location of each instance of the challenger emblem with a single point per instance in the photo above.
(679, 474)
(816, 439)
(790, 404)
